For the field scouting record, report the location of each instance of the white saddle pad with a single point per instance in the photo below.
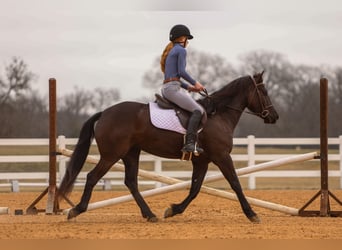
(165, 119)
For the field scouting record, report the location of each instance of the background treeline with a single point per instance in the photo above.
(294, 90)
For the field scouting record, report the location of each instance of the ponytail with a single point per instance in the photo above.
(164, 55)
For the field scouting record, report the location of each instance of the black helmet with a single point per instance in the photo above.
(178, 31)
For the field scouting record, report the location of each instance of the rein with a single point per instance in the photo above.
(204, 93)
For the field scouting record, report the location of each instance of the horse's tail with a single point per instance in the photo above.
(79, 156)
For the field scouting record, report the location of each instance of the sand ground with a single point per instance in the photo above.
(207, 217)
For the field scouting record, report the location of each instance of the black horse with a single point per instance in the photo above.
(123, 130)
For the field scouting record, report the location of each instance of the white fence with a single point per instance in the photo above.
(14, 180)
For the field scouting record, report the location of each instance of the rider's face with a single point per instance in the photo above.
(184, 41)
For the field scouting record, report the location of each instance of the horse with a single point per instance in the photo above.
(123, 130)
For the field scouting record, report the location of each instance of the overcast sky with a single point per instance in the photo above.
(104, 43)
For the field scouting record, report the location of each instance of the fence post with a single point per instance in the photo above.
(61, 159)
(251, 160)
(157, 170)
(15, 186)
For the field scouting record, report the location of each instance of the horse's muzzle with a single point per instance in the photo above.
(270, 117)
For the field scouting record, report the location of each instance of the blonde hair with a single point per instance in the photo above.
(166, 51)
(164, 55)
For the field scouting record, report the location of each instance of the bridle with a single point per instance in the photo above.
(262, 100)
(263, 114)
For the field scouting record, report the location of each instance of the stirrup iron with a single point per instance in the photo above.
(186, 156)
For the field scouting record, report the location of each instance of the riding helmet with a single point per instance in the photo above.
(178, 31)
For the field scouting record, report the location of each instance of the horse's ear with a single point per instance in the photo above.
(261, 75)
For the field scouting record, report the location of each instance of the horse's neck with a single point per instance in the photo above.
(233, 109)
(232, 116)
(231, 101)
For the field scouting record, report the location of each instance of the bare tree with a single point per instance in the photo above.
(336, 85)
(23, 111)
(279, 77)
(75, 103)
(27, 117)
(211, 70)
(75, 107)
(84, 102)
(103, 98)
(293, 90)
(335, 103)
(18, 79)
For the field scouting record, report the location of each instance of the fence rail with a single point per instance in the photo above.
(15, 180)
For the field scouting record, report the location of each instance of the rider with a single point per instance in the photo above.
(173, 62)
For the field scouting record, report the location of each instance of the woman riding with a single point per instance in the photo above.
(173, 62)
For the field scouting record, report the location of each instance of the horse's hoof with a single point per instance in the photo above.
(152, 219)
(168, 212)
(73, 213)
(255, 219)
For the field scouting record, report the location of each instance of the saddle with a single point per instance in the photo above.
(182, 114)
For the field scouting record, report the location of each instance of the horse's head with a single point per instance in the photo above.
(259, 103)
(247, 91)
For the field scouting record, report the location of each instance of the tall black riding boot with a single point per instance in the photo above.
(191, 134)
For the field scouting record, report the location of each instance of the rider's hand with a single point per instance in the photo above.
(191, 88)
(198, 87)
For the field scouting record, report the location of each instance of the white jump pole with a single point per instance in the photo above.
(4, 210)
(212, 178)
(177, 184)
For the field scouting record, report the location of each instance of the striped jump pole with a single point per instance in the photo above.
(176, 184)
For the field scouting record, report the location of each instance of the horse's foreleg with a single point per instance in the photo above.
(92, 178)
(131, 161)
(198, 174)
(227, 168)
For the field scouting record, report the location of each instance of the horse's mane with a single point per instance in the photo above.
(223, 96)
(231, 88)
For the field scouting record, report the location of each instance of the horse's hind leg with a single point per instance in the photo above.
(199, 170)
(131, 161)
(92, 178)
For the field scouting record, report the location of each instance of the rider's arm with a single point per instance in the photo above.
(181, 67)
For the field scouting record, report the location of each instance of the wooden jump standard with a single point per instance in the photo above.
(52, 205)
(324, 192)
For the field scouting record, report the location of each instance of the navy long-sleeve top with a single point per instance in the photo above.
(175, 65)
